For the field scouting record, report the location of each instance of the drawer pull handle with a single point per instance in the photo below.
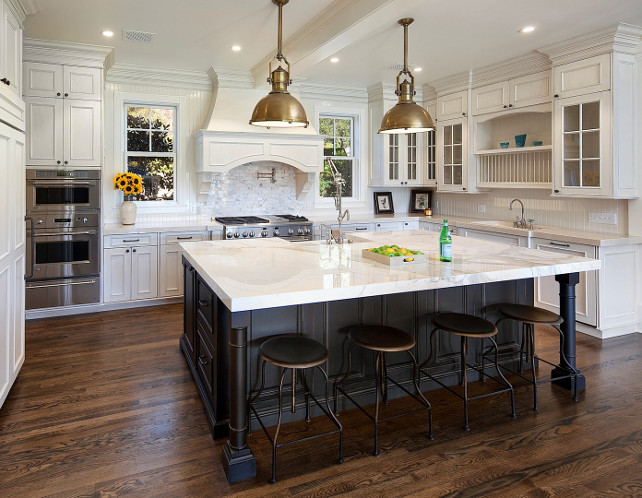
(132, 240)
(203, 303)
(362, 228)
(184, 238)
(202, 359)
(559, 244)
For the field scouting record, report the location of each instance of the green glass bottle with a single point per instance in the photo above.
(445, 244)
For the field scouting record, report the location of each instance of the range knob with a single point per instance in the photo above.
(251, 234)
(229, 235)
(40, 221)
(84, 220)
(264, 233)
(308, 231)
(236, 235)
(276, 232)
(300, 231)
(244, 235)
(290, 231)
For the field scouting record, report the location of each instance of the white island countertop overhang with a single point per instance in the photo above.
(258, 274)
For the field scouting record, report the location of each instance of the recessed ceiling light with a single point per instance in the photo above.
(236, 48)
(334, 60)
(107, 33)
(527, 29)
(419, 68)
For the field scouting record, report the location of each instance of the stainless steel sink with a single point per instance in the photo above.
(505, 224)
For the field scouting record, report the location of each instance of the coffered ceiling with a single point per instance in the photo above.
(447, 37)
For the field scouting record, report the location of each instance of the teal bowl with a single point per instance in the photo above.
(537, 143)
(520, 140)
(504, 145)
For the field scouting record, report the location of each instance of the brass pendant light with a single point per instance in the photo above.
(278, 108)
(406, 116)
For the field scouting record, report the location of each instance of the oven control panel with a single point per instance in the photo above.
(246, 232)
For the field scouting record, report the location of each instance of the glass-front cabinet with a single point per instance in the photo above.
(403, 160)
(582, 152)
(452, 151)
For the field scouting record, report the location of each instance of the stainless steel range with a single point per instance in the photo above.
(286, 226)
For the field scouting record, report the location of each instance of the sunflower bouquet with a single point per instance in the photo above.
(130, 183)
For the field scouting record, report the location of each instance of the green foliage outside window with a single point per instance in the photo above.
(338, 146)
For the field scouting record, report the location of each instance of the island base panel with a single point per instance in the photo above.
(238, 464)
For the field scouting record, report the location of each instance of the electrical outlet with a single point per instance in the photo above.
(605, 218)
(481, 208)
(436, 207)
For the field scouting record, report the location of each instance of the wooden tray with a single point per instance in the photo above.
(395, 261)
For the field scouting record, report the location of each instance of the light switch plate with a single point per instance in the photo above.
(605, 218)
(481, 208)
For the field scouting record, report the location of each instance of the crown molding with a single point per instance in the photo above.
(512, 68)
(312, 90)
(623, 38)
(384, 90)
(453, 83)
(429, 93)
(22, 8)
(157, 76)
(54, 52)
(230, 78)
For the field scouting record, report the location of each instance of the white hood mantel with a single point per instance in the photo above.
(228, 139)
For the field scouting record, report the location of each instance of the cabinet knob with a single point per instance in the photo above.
(66, 162)
(556, 96)
(127, 251)
(556, 191)
(6, 81)
(505, 106)
(510, 105)
(57, 162)
(58, 94)
(464, 188)
(463, 113)
(133, 250)
(202, 359)
(66, 95)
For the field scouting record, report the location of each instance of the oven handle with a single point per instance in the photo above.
(93, 232)
(79, 282)
(32, 261)
(58, 183)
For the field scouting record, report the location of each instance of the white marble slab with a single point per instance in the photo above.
(267, 273)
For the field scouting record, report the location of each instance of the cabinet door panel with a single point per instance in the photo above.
(118, 274)
(82, 133)
(171, 271)
(42, 80)
(5, 326)
(531, 90)
(12, 51)
(82, 82)
(452, 106)
(44, 131)
(144, 272)
(582, 77)
(490, 98)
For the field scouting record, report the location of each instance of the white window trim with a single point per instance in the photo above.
(181, 176)
(360, 144)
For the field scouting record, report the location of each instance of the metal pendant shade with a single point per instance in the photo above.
(406, 116)
(278, 108)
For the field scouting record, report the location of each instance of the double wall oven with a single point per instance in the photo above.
(63, 238)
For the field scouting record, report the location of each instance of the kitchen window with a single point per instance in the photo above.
(150, 149)
(339, 146)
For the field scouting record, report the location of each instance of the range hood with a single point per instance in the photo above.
(228, 139)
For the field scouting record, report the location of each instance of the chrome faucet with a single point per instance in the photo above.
(339, 182)
(521, 223)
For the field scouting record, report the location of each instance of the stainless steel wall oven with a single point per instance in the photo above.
(63, 238)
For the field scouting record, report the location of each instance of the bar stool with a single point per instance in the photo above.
(294, 353)
(468, 326)
(529, 316)
(381, 340)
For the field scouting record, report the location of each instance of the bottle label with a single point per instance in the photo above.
(446, 250)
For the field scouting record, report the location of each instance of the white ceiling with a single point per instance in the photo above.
(447, 37)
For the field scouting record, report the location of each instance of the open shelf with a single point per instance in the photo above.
(513, 150)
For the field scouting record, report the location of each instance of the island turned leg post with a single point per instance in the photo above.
(238, 460)
(567, 284)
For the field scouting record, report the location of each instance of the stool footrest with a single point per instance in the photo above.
(478, 396)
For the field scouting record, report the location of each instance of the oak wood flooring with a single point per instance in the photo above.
(105, 406)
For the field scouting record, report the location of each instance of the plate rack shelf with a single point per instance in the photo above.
(529, 167)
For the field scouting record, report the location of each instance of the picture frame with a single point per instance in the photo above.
(383, 203)
(420, 200)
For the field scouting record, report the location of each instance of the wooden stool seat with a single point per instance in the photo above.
(381, 338)
(529, 314)
(464, 325)
(293, 352)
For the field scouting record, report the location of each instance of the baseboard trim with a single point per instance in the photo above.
(98, 307)
(632, 328)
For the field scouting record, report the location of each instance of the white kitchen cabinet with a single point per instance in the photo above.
(455, 168)
(451, 106)
(595, 148)
(171, 265)
(130, 267)
(513, 94)
(63, 132)
(384, 226)
(403, 160)
(547, 291)
(515, 240)
(11, 103)
(345, 228)
(12, 257)
(62, 81)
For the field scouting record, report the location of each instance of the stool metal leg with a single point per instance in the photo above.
(508, 384)
(464, 344)
(331, 414)
(341, 380)
(255, 397)
(378, 374)
(531, 342)
(278, 427)
(415, 373)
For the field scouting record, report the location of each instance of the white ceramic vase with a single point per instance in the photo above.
(128, 213)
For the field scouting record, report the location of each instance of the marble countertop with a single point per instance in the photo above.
(257, 274)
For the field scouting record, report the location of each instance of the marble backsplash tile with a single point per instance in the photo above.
(242, 192)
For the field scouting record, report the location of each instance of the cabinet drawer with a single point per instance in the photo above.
(176, 237)
(205, 308)
(139, 239)
(206, 363)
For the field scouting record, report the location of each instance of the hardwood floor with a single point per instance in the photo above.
(105, 406)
